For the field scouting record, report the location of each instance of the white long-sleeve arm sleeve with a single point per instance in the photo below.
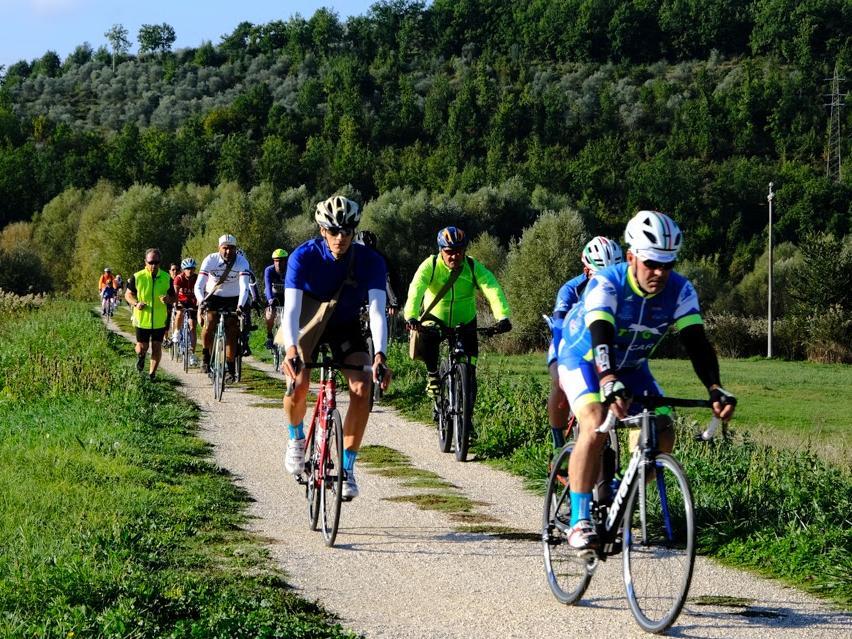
(244, 289)
(290, 316)
(200, 285)
(378, 321)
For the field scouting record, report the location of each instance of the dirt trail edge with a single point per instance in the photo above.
(402, 571)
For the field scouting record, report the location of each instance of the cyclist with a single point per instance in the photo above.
(108, 294)
(173, 273)
(322, 269)
(222, 286)
(598, 253)
(148, 292)
(106, 279)
(606, 341)
(458, 306)
(273, 288)
(184, 285)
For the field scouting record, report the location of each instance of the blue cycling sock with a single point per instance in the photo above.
(297, 432)
(349, 459)
(580, 506)
(558, 436)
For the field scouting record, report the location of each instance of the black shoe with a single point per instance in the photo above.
(151, 376)
(230, 378)
(246, 351)
(205, 367)
(140, 364)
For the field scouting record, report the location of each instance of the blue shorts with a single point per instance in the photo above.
(581, 386)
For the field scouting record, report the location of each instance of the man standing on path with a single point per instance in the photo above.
(149, 291)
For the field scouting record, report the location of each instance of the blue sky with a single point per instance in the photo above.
(29, 28)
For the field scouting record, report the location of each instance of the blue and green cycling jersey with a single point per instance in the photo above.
(640, 320)
(569, 294)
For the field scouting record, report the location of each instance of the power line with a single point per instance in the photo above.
(833, 166)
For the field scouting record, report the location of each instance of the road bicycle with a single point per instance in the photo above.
(323, 475)
(647, 515)
(218, 356)
(276, 350)
(184, 340)
(452, 408)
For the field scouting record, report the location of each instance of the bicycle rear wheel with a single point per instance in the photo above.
(332, 480)
(568, 574)
(185, 345)
(238, 367)
(276, 357)
(445, 419)
(659, 545)
(462, 409)
(372, 353)
(313, 484)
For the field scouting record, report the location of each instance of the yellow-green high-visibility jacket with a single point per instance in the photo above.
(150, 291)
(458, 306)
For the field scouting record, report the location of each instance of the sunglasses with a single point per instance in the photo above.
(654, 265)
(452, 251)
(334, 231)
(152, 262)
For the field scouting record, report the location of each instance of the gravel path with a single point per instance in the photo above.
(397, 571)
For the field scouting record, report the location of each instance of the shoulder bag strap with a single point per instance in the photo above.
(454, 275)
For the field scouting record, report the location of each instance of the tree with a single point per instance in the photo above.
(155, 38)
(47, 65)
(117, 37)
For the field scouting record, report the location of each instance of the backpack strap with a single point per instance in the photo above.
(472, 265)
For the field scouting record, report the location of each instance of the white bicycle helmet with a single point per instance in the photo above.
(338, 211)
(227, 240)
(188, 263)
(652, 235)
(601, 252)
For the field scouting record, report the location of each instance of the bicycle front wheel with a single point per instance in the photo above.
(659, 545)
(219, 368)
(313, 485)
(462, 409)
(568, 574)
(444, 413)
(332, 479)
(238, 367)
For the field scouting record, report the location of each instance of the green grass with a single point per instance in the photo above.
(795, 405)
(774, 498)
(112, 520)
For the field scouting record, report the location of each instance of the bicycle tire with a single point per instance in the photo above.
(313, 485)
(445, 421)
(568, 574)
(185, 344)
(219, 368)
(659, 556)
(238, 367)
(276, 358)
(462, 410)
(332, 480)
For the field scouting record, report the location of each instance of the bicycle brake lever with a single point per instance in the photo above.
(608, 423)
(708, 434)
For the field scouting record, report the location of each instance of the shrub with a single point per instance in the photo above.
(22, 272)
(547, 255)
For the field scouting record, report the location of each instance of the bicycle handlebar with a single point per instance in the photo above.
(657, 401)
(366, 368)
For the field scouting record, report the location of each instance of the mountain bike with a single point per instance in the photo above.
(452, 409)
(647, 515)
(323, 476)
(184, 341)
(174, 346)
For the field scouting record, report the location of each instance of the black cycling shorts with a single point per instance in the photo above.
(216, 303)
(343, 339)
(145, 335)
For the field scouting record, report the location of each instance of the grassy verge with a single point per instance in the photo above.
(113, 522)
(781, 511)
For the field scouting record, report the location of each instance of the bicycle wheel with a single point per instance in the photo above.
(568, 574)
(313, 485)
(238, 367)
(276, 357)
(445, 419)
(659, 545)
(219, 367)
(462, 409)
(185, 345)
(332, 479)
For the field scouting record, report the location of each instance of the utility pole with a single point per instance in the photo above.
(833, 168)
(770, 198)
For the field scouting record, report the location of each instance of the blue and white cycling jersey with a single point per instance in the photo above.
(640, 319)
(312, 268)
(568, 295)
